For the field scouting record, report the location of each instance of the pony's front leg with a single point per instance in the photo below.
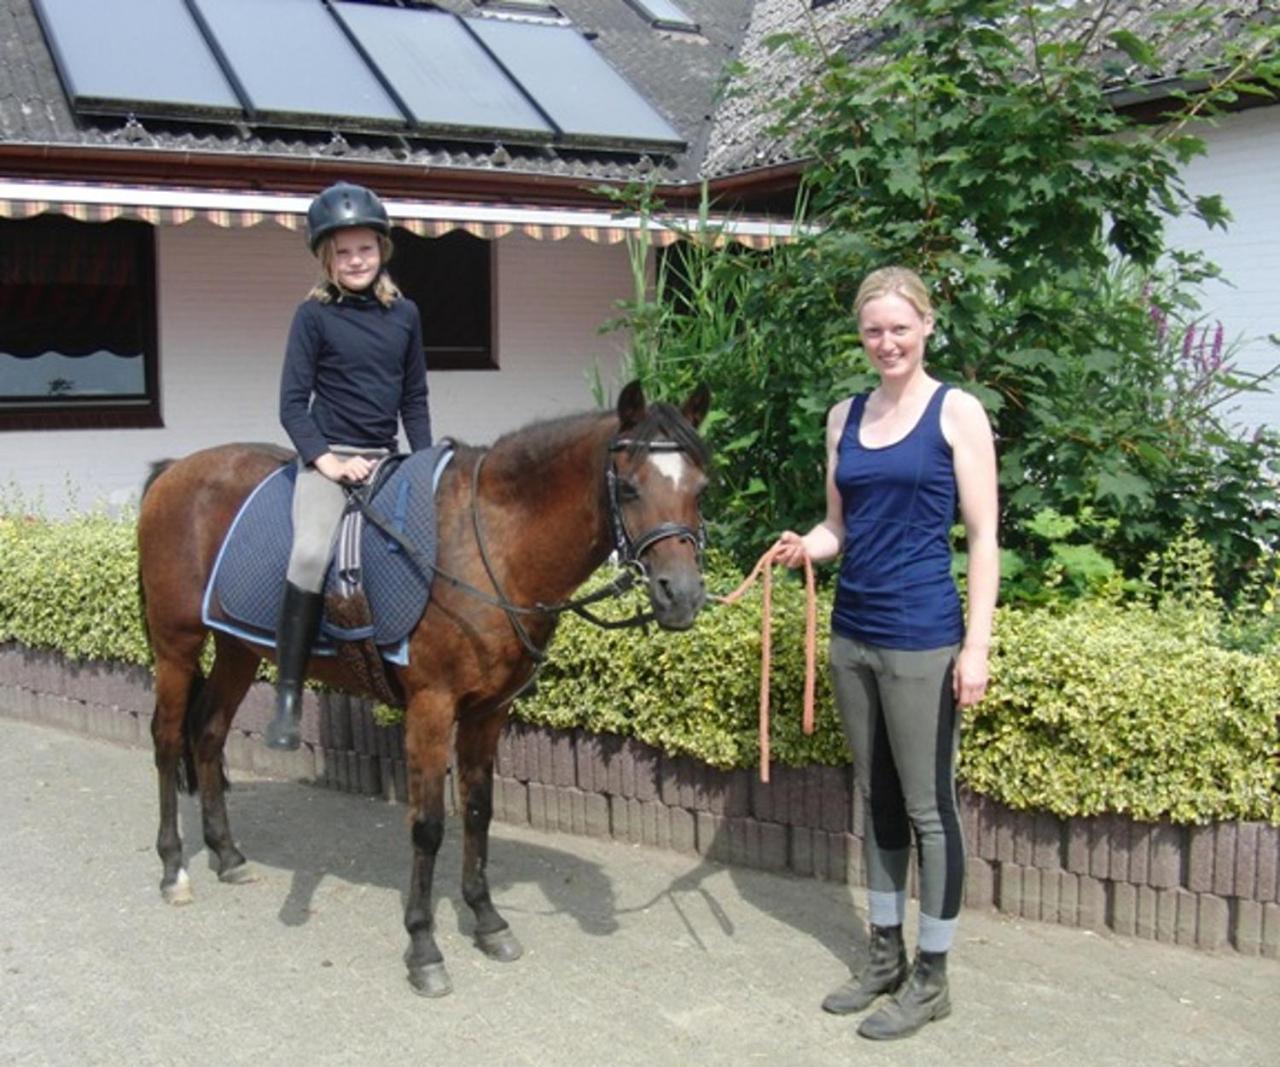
(477, 741)
(427, 722)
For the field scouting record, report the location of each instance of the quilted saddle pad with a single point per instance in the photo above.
(247, 584)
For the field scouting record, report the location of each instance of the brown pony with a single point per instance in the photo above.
(521, 526)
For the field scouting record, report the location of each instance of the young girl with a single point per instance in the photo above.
(353, 368)
(903, 656)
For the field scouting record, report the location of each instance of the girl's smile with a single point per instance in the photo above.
(356, 258)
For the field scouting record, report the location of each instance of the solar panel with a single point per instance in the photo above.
(148, 58)
(584, 96)
(443, 76)
(295, 63)
(664, 14)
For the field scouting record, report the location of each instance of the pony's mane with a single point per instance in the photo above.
(531, 444)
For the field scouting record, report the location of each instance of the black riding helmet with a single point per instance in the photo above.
(344, 205)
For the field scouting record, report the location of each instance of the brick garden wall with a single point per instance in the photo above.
(1211, 887)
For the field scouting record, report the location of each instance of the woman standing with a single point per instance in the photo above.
(903, 656)
(354, 370)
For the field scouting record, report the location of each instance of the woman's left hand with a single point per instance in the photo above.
(969, 677)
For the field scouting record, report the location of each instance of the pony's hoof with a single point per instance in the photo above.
(501, 945)
(431, 980)
(240, 874)
(178, 891)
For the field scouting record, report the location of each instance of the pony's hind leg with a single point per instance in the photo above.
(428, 719)
(232, 674)
(477, 741)
(177, 686)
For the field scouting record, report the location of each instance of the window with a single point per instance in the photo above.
(450, 278)
(77, 324)
(522, 7)
(664, 15)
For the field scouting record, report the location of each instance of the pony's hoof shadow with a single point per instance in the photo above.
(178, 892)
(430, 981)
(240, 874)
(501, 945)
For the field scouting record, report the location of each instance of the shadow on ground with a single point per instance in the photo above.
(314, 834)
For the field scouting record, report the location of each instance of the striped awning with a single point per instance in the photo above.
(173, 207)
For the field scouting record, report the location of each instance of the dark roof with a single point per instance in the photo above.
(677, 72)
(682, 75)
(740, 139)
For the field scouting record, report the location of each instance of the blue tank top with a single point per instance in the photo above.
(896, 589)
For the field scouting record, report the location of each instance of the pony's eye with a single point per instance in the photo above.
(627, 491)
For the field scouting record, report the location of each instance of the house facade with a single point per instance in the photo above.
(158, 187)
(1243, 151)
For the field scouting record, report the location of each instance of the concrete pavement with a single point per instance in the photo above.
(633, 956)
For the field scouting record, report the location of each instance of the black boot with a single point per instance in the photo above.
(299, 620)
(885, 970)
(923, 999)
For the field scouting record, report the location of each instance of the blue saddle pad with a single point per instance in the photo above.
(247, 584)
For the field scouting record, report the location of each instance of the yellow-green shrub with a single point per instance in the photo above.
(73, 586)
(1133, 709)
(1094, 707)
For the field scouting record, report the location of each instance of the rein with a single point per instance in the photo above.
(627, 549)
(765, 565)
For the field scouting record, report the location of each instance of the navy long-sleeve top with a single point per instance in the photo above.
(351, 369)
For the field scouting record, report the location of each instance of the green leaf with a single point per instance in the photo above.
(1135, 48)
(1123, 487)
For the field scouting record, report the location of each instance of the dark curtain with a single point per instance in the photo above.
(448, 278)
(72, 287)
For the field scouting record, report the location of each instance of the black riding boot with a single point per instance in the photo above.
(923, 999)
(299, 620)
(885, 971)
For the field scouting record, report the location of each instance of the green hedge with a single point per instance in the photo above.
(1095, 707)
(72, 586)
(1131, 709)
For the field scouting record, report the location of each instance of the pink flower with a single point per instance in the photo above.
(1215, 357)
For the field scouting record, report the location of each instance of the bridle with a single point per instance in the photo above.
(630, 549)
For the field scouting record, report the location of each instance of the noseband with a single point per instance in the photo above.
(629, 549)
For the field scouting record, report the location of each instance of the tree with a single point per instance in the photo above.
(974, 141)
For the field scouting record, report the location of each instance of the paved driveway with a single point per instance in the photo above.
(634, 956)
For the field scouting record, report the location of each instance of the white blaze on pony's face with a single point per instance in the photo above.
(659, 472)
(675, 468)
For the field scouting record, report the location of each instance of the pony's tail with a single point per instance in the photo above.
(157, 469)
(192, 725)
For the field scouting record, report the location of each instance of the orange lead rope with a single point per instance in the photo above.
(765, 564)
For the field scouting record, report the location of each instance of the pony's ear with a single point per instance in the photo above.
(696, 407)
(631, 405)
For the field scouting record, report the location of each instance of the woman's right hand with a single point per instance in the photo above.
(789, 549)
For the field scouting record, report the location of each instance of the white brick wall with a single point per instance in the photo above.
(226, 300)
(1242, 164)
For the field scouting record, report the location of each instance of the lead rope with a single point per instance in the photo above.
(765, 565)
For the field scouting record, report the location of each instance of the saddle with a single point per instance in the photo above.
(375, 590)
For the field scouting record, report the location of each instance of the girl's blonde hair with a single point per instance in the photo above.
(384, 290)
(899, 281)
